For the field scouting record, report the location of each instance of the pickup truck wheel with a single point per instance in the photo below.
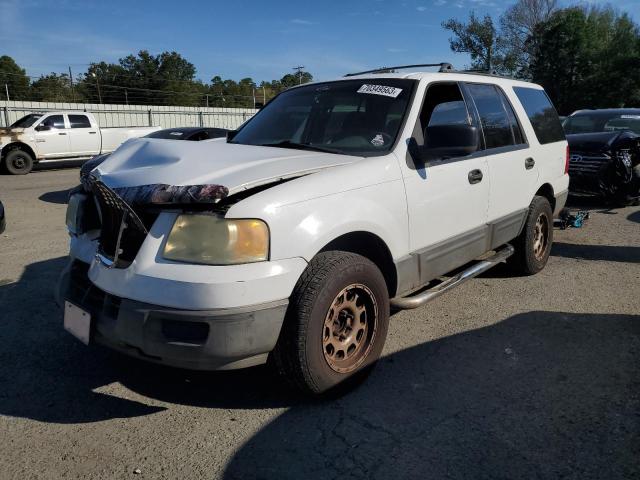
(18, 162)
(336, 324)
(533, 246)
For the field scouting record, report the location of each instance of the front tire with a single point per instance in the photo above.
(533, 246)
(336, 323)
(18, 162)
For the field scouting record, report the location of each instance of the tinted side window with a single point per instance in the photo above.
(443, 105)
(518, 136)
(54, 121)
(541, 113)
(496, 125)
(79, 121)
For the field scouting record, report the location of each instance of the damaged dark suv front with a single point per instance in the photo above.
(605, 154)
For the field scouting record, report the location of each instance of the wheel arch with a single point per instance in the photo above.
(370, 246)
(18, 146)
(547, 192)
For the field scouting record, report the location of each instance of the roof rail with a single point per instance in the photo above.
(444, 67)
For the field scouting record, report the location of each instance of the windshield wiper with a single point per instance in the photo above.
(299, 146)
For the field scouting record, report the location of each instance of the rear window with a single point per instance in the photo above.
(541, 113)
(79, 121)
(496, 124)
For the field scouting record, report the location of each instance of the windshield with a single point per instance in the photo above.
(602, 122)
(354, 117)
(26, 121)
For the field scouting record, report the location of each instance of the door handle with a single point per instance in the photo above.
(475, 176)
(92, 133)
(529, 163)
(61, 133)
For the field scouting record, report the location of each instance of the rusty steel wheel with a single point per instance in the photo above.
(533, 245)
(541, 236)
(349, 328)
(336, 324)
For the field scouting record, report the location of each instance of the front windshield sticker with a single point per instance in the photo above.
(377, 141)
(392, 92)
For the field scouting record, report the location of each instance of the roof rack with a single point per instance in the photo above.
(444, 67)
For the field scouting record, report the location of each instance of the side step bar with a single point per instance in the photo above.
(476, 269)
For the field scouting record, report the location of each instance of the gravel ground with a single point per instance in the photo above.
(503, 378)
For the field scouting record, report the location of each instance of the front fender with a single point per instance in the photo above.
(302, 229)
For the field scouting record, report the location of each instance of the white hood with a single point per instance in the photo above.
(145, 161)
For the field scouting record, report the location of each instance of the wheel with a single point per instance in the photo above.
(18, 162)
(533, 246)
(336, 323)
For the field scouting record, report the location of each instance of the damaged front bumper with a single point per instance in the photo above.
(211, 339)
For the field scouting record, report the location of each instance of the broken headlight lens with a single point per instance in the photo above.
(213, 240)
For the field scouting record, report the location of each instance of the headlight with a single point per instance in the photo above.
(212, 240)
(75, 212)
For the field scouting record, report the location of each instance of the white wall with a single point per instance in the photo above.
(135, 115)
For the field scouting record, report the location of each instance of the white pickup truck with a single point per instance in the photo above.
(43, 137)
(291, 241)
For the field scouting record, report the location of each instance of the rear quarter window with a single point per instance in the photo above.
(542, 114)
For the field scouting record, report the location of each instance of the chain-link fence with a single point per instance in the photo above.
(134, 115)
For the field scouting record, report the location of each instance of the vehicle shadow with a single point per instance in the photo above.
(538, 395)
(45, 374)
(60, 197)
(634, 217)
(49, 376)
(625, 254)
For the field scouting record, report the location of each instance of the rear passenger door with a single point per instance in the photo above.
(513, 172)
(85, 139)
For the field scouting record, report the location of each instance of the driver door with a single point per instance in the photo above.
(52, 137)
(447, 199)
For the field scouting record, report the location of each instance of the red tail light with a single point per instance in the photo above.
(566, 161)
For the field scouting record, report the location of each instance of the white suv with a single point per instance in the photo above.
(293, 238)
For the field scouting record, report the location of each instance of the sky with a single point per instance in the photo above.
(240, 38)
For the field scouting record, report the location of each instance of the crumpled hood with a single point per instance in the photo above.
(147, 161)
(598, 142)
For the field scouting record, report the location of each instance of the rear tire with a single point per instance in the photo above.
(533, 246)
(336, 323)
(18, 162)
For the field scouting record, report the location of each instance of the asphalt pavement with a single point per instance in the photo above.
(506, 377)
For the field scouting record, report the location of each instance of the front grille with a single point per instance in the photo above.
(587, 164)
(123, 228)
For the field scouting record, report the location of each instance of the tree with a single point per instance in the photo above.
(479, 38)
(588, 58)
(15, 79)
(52, 88)
(518, 25)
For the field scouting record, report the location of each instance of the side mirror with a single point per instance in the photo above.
(231, 135)
(42, 128)
(449, 141)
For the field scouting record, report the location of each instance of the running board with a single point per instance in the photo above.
(476, 269)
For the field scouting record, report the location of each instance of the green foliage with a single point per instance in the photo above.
(143, 79)
(479, 38)
(52, 88)
(588, 58)
(14, 77)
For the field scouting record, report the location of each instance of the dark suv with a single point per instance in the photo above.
(605, 154)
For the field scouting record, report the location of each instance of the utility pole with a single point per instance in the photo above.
(299, 69)
(254, 98)
(6, 89)
(264, 96)
(73, 93)
(126, 96)
(207, 100)
(98, 85)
